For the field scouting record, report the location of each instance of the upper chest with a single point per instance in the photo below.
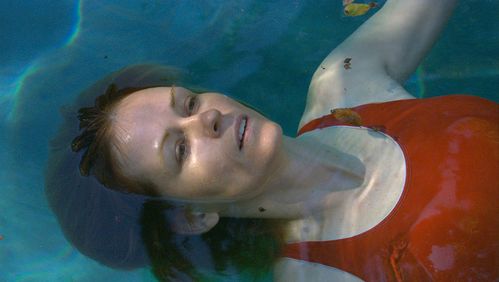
(354, 211)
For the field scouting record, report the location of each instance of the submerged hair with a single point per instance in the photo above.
(236, 249)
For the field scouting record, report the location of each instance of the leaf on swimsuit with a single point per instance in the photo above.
(347, 116)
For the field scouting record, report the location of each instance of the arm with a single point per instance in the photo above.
(384, 51)
(401, 34)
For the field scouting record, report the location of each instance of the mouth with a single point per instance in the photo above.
(241, 130)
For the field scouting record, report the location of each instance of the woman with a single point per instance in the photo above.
(377, 186)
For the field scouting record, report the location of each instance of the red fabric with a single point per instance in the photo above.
(445, 226)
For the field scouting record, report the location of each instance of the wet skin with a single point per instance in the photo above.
(189, 147)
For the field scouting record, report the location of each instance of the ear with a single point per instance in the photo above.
(186, 222)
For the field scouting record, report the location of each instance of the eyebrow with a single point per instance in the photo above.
(172, 98)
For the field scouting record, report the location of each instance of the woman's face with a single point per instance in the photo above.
(190, 147)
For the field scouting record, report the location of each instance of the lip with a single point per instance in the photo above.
(239, 119)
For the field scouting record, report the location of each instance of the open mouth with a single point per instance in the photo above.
(242, 131)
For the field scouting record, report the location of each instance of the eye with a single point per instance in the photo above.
(181, 150)
(190, 104)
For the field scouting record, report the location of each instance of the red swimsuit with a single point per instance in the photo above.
(445, 226)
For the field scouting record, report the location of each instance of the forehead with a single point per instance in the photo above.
(137, 128)
(146, 99)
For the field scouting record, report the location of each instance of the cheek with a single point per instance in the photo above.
(213, 175)
(204, 170)
(210, 171)
(215, 155)
(267, 146)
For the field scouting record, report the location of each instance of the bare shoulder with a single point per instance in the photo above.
(338, 84)
(371, 64)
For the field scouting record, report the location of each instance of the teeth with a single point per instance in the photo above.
(241, 129)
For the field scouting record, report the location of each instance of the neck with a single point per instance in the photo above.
(306, 172)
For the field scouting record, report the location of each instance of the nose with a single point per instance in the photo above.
(210, 122)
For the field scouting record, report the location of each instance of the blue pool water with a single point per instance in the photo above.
(263, 52)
